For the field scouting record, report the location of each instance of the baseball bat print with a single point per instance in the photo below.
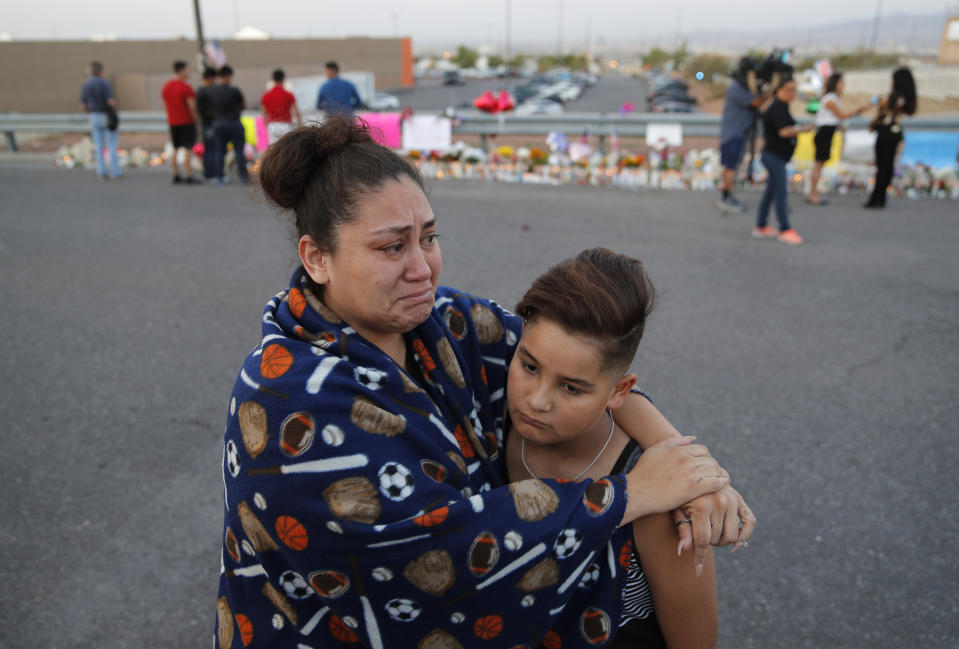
(418, 537)
(372, 625)
(307, 628)
(256, 386)
(574, 576)
(436, 421)
(315, 383)
(248, 571)
(515, 565)
(327, 465)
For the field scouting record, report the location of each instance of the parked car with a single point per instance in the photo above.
(383, 101)
(452, 78)
(670, 95)
(539, 106)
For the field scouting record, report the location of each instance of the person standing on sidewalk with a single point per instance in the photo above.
(181, 115)
(95, 96)
(227, 105)
(204, 111)
(780, 130)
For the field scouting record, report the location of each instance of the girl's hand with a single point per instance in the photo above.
(720, 518)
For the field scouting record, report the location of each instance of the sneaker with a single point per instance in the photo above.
(176, 180)
(765, 232)
(223, 181)
(791, 237)
(190, 180)
(102, 178)
(730, 205)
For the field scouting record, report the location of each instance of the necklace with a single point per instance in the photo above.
(612, 427)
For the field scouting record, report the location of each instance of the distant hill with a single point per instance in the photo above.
(909, 33)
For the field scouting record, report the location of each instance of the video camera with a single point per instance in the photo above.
(762, 75)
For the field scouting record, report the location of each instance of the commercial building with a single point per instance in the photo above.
(45, 76)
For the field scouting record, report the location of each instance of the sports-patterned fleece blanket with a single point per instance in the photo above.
(363, 509)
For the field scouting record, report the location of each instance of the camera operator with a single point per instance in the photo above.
(753, 83)
(740, 112)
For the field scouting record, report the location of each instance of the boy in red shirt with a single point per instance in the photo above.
(181, 114)
(279, 108)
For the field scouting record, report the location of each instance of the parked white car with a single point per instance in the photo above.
(539, 106)
(382, 101)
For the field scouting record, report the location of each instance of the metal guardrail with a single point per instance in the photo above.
(471, 123)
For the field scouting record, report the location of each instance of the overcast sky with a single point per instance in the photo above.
(432, 22)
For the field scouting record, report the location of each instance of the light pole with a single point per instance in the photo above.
(509, 36)
(199, 30)
(875, 26)
(559, 43)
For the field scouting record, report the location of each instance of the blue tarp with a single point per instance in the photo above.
(933, 148)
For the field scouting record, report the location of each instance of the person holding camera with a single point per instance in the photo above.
(780, 131)
(739, 114)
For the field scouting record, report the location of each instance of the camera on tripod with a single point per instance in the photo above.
(762, 75)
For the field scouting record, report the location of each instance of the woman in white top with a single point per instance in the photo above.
(828, 118)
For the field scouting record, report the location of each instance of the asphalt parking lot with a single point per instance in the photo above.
(822, 376)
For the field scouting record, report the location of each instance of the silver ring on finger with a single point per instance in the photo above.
(682, 521)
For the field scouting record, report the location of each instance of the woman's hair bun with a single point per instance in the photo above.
(292, 162)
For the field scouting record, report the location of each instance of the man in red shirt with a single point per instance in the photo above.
(279, 108)
(181, 114)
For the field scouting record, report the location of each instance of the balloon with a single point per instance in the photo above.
(198, 148)
(504, 102)
(486, 102)
(557, 142)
